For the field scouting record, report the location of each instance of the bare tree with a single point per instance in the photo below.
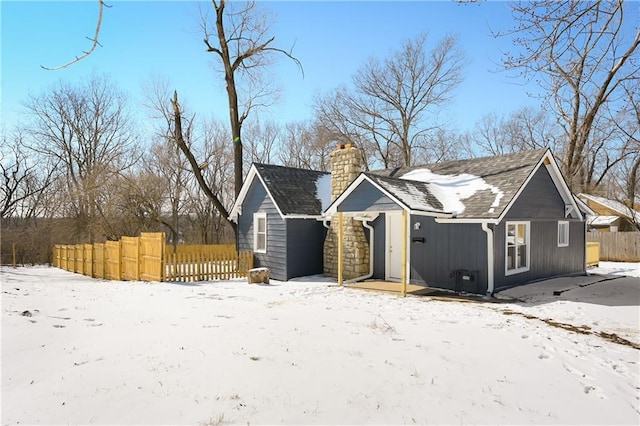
(262, 141)
(625, 185)
(211, 225)
(523, 129)
(394, 100)
(306, 145)
(239, 37)
(23, 180)
(579, 53)
(442, 145)
(86, 129)
(185, 146)
(631, 131)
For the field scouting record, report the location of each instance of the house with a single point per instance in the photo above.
(475, 225)
(279, 216)
(610, 215)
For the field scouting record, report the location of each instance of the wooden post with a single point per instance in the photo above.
(13, 252)
(404, 253)
(340, 254)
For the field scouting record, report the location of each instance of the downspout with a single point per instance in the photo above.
(490, 259)
(365, 223)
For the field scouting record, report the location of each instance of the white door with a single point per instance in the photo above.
(394, 246)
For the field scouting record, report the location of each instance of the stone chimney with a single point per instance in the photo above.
(346, 165)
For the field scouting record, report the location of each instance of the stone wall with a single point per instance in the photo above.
(346, 165)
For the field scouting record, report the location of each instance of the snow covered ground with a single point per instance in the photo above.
(82, 351)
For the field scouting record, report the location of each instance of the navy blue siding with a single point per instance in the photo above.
(447, 248)
(305, 239)
(275, 258)
(540, 204)
(540, 198)
(546, 258)
(366, 197)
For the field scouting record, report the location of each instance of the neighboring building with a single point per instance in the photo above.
(279, 217)
(610, 215)
(474, 225)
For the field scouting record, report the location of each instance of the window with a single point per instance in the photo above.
(260, 232)
(563, 233)
(517, 255)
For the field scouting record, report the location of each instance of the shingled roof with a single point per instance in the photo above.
(474, 188)
(413, 194)
(295, 191)
(478, 188)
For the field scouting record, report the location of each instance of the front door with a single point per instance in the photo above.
(394, 246)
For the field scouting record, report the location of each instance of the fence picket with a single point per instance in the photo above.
(148, 258)
(98, 260)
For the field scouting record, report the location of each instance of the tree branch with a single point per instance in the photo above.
(93, 46)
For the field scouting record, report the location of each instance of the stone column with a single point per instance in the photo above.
(346, 165)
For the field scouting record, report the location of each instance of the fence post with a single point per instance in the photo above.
(13, 254)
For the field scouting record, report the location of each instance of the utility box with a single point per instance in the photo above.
(465, 281)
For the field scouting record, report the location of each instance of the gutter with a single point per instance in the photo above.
(490, 258)
(365, 222)
(302, 216)
(455, 220)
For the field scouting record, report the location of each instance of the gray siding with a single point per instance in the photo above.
(275, 258)
(447, 248)
(546, 258)
(539, 199)
(542, 206)
(305, 239)
(366, 197)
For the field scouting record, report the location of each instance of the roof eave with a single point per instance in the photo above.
(237, 206)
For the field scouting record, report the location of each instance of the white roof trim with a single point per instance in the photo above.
(237, 206)
(465, 220)
(584, 207)
(438, 216)
(302, 216)
(556, 177)
(602, 220)
(333, 207)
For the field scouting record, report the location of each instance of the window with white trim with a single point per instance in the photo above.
(517, 250)
(260, 232)
(563, 233)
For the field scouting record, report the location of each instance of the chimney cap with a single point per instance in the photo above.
(344, 145)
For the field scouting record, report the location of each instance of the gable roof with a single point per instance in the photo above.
(602, 220)
(614, 206)
(478, 189)
(413, 194)
(294, 192)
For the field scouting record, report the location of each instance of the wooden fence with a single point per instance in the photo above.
(148, 258)
(200, 248)
(617, 246)
(207, 266)
(593, 254)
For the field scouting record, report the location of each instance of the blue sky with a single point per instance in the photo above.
(332, 39)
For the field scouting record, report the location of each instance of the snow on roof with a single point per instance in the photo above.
(614, 205)
(323, 190)
(452, 189)
(412, 193)
(603, 220)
